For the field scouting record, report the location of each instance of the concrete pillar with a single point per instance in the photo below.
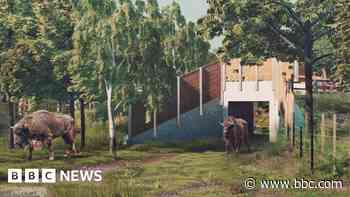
(201, 91)
(223, 83)
(273, 121)
(178, 101)
(296, 70)
(240, 70)
(275, 73)
(274, 104)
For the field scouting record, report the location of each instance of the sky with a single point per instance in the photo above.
(193, 10)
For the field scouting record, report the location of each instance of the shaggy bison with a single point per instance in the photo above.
(41, 127)
(235, 133)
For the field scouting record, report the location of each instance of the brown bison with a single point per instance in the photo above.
(235, 133)
(41, 127)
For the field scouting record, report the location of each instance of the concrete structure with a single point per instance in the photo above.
(261, 83)
(213, 92)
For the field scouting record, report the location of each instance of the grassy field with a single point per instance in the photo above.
(193, 169)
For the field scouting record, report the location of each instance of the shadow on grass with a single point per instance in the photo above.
(257, 142)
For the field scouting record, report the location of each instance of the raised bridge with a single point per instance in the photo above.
(210, 93)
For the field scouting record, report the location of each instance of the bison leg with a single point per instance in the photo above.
(50, 147)
(237, 146)
(68, 141)
(247, 143)
(29, 151)
(228, 148)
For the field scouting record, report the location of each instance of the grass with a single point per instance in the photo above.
(188, 170)
(208, 173)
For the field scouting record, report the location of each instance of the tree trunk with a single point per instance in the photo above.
(82, 123)
(72, 107)
(112, 131)
(12, 123)
(309, 115)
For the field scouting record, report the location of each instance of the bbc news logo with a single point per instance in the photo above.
(51, 175)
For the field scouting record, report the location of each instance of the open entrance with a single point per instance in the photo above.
(244, 110)
(255, 113)
(262, 117)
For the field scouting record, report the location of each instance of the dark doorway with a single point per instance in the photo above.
(244, 110)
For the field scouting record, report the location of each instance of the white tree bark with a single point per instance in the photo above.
(112, 131)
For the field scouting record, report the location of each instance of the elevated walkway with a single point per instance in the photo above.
(209, 94)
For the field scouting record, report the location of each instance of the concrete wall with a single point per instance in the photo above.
(248, 93)
(193, 126)
(253, 91)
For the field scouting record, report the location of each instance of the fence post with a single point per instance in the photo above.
(155, 134)
(322, 132)
(334, 141)
(257, 76)
(11, 144)
(178, 101)
(293, 128)
(82, 123)
(201, 91)
(129, 122)
(301, 142)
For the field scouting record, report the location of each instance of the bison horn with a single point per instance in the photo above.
(222, 124)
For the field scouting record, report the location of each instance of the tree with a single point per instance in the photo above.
(31, 39)
(343, 43)
(98, 57)
(184, 48)
(268, 28)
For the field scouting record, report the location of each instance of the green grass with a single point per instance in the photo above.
(185, 170)
(208, 173)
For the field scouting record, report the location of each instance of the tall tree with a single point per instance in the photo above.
(286, 29)
(343, 43)
(98, 57)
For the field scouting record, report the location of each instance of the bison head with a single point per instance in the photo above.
(20, 136)
(227, 125)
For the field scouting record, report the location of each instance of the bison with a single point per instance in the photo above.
(235, 133)
(41, 127)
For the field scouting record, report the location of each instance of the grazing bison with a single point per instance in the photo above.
(235, 133)
(41, 127)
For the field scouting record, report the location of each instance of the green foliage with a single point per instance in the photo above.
(135, 47)
(269, 28)
(34, 35)
(332, 103)
(343, 43)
